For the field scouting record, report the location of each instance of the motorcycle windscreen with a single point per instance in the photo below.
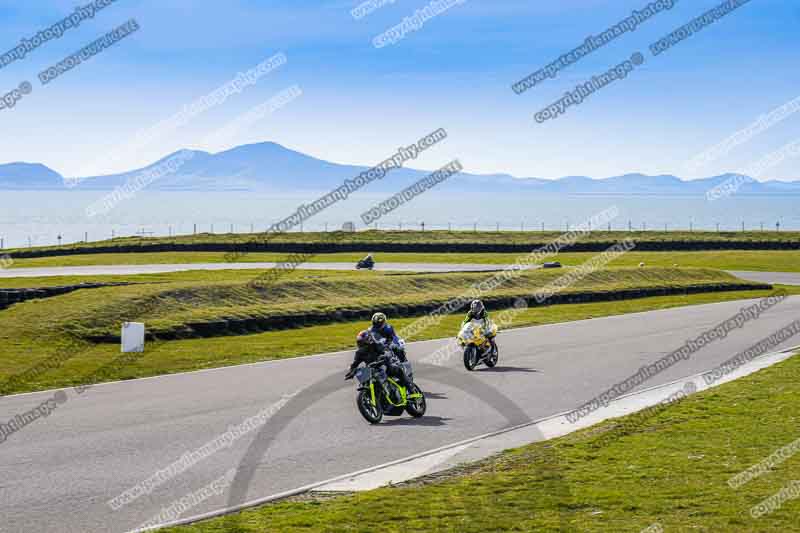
(467, 332)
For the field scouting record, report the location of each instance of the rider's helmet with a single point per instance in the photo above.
(378, 320)
(364, 339)
(476, 307)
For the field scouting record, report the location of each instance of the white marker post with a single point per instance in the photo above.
(132, 337)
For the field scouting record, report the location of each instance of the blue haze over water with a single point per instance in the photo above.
(43, 215)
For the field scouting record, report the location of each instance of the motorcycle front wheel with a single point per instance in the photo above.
(470, 357)
(372, 413)
(416, 406)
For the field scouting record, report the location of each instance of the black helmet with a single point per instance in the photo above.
(476, 307)
(365, 338)
(378, 319)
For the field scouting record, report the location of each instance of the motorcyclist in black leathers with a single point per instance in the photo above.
(367, 262)
(369, 351)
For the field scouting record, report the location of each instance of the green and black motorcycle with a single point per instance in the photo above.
(379, 394)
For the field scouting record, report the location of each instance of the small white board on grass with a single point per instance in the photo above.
(132, 337)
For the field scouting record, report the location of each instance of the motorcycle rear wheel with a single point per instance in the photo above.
(371, 413)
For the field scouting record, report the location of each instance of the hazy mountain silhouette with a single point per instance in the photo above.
(29, 176)
(270, 167)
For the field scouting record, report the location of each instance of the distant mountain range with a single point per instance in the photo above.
(270, 167)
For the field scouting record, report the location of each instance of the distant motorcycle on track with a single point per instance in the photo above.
(366, 263)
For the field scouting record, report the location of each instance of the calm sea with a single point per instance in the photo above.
(38, 218)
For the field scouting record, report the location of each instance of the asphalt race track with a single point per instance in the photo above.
(59, 471)
(783, 278)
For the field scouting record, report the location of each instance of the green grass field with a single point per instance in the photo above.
(668, 468)
(761, 260)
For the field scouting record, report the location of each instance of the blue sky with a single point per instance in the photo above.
(360, 103)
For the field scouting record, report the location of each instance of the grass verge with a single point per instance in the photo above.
(670, 468)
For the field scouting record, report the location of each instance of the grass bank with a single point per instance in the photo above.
(185, 309)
